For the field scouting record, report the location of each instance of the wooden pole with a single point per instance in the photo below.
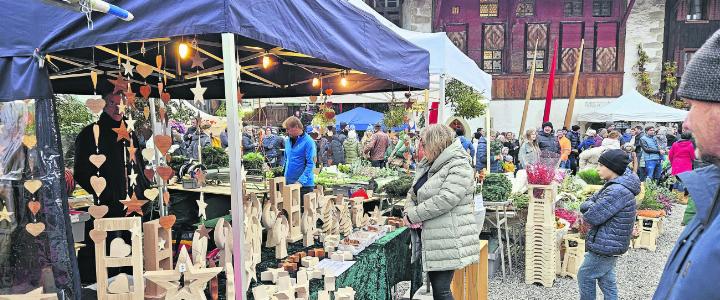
(573, 92)
(528, 94)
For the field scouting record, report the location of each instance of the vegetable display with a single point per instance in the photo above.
(495, 188)
(591, 176)
(253, 163)
(398, 188)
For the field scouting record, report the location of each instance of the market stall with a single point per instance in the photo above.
(269, 49)
(632, 106)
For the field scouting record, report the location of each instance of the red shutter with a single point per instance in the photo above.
(714, 10)
(682, 6)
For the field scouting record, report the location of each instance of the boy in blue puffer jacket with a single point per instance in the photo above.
(611, 212)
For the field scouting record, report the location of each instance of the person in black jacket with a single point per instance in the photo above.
(574, 137)
(547, 140)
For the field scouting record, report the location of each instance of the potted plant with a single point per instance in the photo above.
(495, 188)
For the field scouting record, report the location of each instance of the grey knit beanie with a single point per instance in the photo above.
(701, 79)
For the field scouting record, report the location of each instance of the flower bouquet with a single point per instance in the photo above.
(542, 171)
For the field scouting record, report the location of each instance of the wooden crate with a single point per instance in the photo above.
(574, 255)
(649, 232)
(156, 259)
(471, 282)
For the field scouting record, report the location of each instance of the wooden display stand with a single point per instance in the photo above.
(158, 254)
(291, 204)
(357, 212)
(471, 282)
(574, 255)
(541, 253)
(649, 232)
(121, 255)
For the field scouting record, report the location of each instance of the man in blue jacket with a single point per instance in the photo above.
(693, 267)
(611, 212)
(467, 144)
(652, 154)
(481, 153)
(299, 156)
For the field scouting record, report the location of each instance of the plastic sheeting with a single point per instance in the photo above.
(48, 260)
(632, 106)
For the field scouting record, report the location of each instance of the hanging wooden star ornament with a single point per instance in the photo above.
(93, 78)
(130, 97)
(95, 105)
(198, 61)
(5, 215)
(128, 69)
(203, 231)
(145, 91)
(198, 92)
(133, 205)
(120, 84)
(122, 107)
(130, 123)
(201, 208)
(133, 177)
(131, 153)
(122, 133)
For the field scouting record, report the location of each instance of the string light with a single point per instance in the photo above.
(343, 81)
(315, 82)
(266, 62)
(183, 50)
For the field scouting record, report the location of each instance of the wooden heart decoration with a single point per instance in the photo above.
(149, 174)
(120, 285)
(35, 228)
(165, 97)
(329, 92)
(168, 221)
(163, 143)
(118, 248)
(95, 105)
(329, 114)
(98, 184)
(313, 99)
(158, 61)
(145, 91)
(144, 70)
(165, 172)
(33, 186)
(166, 197)
(34, 207)
(98, 211)
(29, 141)
(146, 112)
(148, 154)
(151, 194)
(98, 236)
(97, 160)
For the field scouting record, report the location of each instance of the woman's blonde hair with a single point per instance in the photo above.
(436, 138)
(614, 135)
(529, 133)
(591, 132)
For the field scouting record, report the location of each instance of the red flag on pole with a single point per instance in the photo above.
(551, 84)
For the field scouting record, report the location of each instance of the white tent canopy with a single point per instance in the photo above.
(445, 58)
(632, 106)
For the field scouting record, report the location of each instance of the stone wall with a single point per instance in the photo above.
(417, 15)
(645, 26)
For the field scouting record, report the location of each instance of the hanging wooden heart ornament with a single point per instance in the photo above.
(33, 186)
(98, 236)
(163, 143)
(329, 92)
(144, 70)
(313, 99)
(151, 194)
(167, 221)
(149, 174)
(165, 97)
(145, 91)
(98, 211)
(148, 154)
(34, 207)
(95, 105)
(35, 228)
(30, 141)
(97, 160)
(165, 172)
(98, 184)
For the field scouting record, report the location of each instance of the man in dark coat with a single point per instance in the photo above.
(115, 170)
(336, 145)
(547, 140)
(693, 266)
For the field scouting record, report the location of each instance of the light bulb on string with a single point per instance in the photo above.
(183, 50)
(266, 62)
(343, 81)
(315, 82)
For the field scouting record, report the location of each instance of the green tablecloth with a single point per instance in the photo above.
(377, 269)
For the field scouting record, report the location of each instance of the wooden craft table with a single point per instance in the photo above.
(213, 189)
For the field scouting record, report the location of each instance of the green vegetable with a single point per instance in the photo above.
(495, 188)
(520, 200)
(571, 184)
(398, 188)
(591, 176)
(254, 163)
(215, 158)
(344, 168)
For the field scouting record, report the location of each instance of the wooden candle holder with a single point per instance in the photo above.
(157, 254)
(291, 195)
(132, 259)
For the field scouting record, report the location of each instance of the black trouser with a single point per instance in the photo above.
(440, 283)
(377, 163)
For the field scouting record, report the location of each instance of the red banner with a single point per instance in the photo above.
(551, 84)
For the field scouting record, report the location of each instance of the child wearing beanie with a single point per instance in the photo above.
(611, 213)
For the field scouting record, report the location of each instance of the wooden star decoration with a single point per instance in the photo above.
(128, 68)
(122, 133)
(136, 231)
(6, 215)
(133, 205)
(203, 231)
(198, 92)
(133, 177)
(198, 61)
(194, 281)
(120, 84)
(130, 123)
(161, 244)
(122, 107)
(131, 153)
(36, 294)
(201, 208)
(130, 97)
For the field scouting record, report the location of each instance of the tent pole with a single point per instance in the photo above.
(441, 105)
(236, 168)
(156, 161)
(487, 134)
(426, 94)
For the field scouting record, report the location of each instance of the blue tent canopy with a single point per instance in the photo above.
(332, 35)
(362, 119)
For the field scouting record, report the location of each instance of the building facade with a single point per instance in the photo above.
(688, 24)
